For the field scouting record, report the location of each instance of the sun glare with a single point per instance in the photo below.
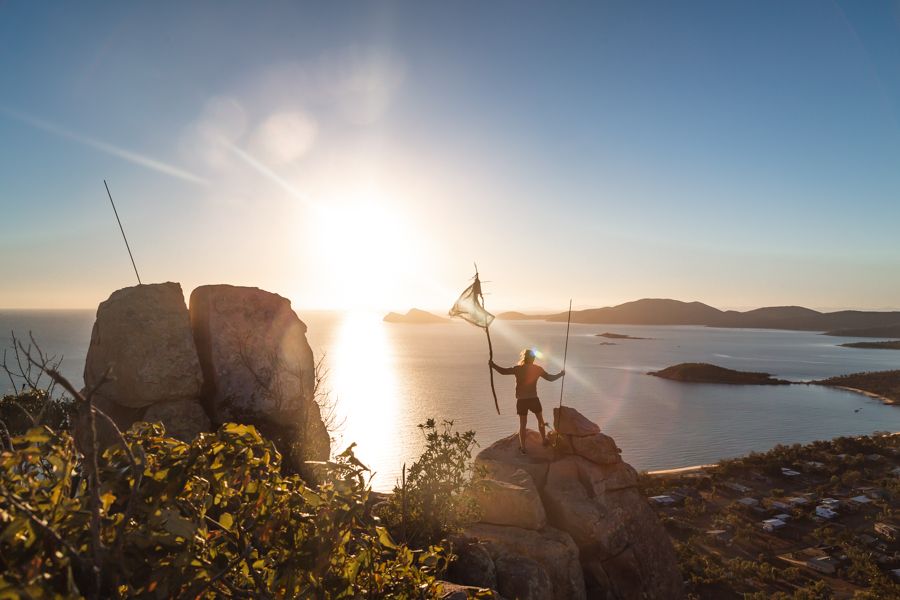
(368, 248)
(361, 377)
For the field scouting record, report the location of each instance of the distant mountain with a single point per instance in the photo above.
(415, 317)
(655, 311)
(649, 311)
(517, 316)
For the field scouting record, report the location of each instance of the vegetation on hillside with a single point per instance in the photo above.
(153, 517)
(881, 383)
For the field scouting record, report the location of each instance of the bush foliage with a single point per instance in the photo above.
(213, 518)
(432, 500)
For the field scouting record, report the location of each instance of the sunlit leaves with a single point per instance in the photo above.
(212, 518)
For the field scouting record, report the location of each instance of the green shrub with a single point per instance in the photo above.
(214, 518)
(21, 412)
(432, 499)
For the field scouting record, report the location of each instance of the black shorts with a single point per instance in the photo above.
(523, 405)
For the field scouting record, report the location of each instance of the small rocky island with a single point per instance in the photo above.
(415, 316)
(887, 345)
(619, 336)
(707, 373)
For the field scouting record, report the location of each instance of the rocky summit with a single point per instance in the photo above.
(565, 521)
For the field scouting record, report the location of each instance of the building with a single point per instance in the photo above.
(823, 564)
(789, 472)
(773, 525)
(797, 501)
(859, 501)
(825, 513)
(663, 500)
(783, 517)
(779, 505)
(736, 487)
(831, 503)
(749, 502)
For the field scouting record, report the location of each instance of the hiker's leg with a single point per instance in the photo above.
(523, 420)
(540, 418)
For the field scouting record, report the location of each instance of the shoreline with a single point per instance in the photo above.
(873, 395)
(697, 468)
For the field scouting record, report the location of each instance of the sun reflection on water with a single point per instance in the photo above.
(362, 380)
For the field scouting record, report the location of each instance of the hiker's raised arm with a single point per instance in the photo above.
(501, 370)
(550, 377)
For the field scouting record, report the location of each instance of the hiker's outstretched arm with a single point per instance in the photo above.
(501, 370)
(550, 377)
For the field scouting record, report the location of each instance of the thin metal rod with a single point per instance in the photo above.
(119, 221)
(562, 386)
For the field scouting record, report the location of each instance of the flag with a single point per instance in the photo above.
(470, 306)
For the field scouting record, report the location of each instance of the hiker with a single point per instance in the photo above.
(527, 374)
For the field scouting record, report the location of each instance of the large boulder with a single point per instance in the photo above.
(551, 550)
(472, 563)
(183, 419)
(514, 502)
(142, 364)
(590, 496)
(142, 337)
(258, 368)
(502, 459)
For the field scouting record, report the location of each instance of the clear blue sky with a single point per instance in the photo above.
(364, 154)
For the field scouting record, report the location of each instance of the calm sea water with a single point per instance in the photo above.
(384, 379)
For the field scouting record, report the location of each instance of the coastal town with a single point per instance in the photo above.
(820, 520)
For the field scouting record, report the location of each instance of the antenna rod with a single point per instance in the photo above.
(562, 385)
(127, 247)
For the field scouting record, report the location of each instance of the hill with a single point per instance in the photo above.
(660, 311)
(884, 331)
(649, 311)
(707, 373)
(415, 317)
(513, 315)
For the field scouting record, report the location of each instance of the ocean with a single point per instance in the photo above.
(384, 379)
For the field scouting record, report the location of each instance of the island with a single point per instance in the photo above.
(707, 373)
(883, 385)
(415, 316)
(619, 336)
(888, 345)
(883, 331)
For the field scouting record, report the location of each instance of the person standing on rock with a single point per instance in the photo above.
(527, 374)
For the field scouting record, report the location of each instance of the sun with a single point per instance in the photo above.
(369, 249)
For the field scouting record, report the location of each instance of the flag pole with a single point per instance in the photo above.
(487, 331)
(565, 355)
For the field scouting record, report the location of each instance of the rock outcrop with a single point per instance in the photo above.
(601, 538)
(240, 354)
(142, 343)
(258, 367)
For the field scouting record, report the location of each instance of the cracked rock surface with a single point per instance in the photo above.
(601, 538)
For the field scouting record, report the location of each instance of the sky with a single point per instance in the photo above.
(363, 155)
